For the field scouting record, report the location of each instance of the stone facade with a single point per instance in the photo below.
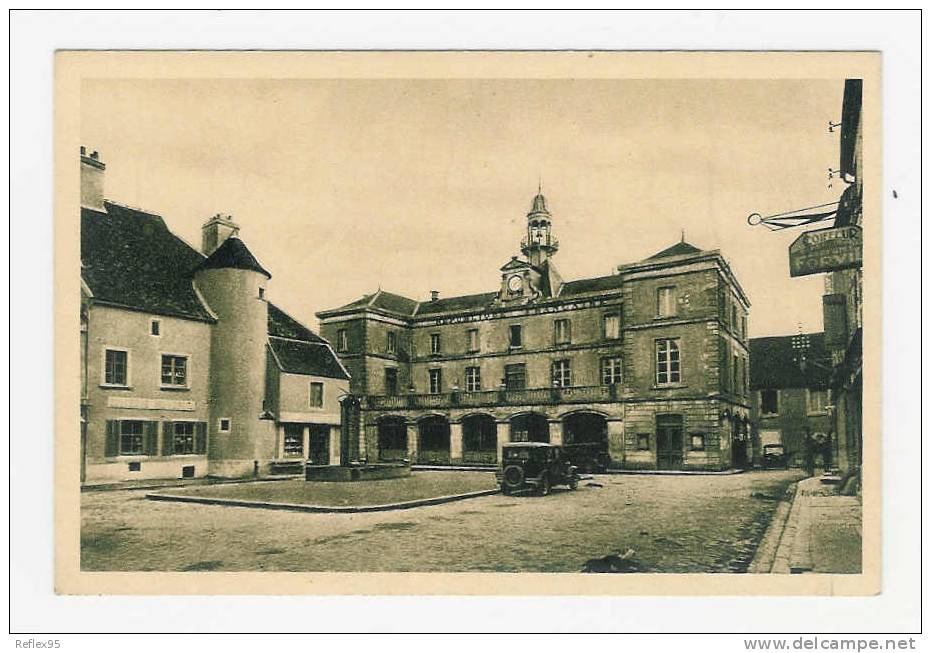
(187, 369)
(648, 366)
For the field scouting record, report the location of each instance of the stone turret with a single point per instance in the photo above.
(233, 284)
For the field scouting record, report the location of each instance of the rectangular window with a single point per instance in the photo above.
(611, 370)
(743, 327)
(817, 401)
(155, 328)
(391, 381)
(473, 379)
(612, 326)
(435, 343)
(515, 376)
(224, 424)
(667, 361)
(665, 301)
(316, 394)
(734, 317)
(392, 345)
(769, 402)
(174, 370)
(472, 341)
(342, 340)
(643, 442)
(116, 367)
(436, 381)
(736, 375)
(562, 332)
(131, 438)
(562, 374)
(697, 442)
(293, 441)
(516, 336)
(182, 441)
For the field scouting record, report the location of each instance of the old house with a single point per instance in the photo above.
(188, 369)
(648, 366)
(789, 394)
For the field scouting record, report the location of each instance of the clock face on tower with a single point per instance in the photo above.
(515, 283)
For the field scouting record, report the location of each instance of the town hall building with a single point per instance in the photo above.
(188, 369)
(648, 366)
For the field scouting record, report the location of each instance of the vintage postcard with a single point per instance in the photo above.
(467, 323)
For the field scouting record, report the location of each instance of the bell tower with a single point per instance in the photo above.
(539, 245)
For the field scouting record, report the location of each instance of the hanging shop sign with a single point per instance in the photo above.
(826, 250)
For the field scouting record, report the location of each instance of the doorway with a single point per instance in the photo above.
(669, 442)
(318, 445)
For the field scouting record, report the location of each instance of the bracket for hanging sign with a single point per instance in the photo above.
(797, 218)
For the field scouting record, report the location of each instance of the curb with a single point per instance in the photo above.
(674, 472)
(299, 507)
(206, 480)
(765, 557)
(783, 561)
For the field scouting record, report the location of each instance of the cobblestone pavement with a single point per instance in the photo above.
(638, 523)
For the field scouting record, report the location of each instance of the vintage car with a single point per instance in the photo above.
(535, 466)
(774, 455)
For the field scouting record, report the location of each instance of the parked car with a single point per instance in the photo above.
(535, 466)
(589, 457)
(774, 455)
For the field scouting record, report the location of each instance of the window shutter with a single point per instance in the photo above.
(168, 445)
(113, 438)
(150, 439)
(200, 437)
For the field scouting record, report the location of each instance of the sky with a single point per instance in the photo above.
(342, 187)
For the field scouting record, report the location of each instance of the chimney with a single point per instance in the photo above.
(215, 232)
(92, 170)
(434, 295)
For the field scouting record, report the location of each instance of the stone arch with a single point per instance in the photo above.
(479, 438)
(529, 427)
(433, 439)
(585, 438)
(392, 437)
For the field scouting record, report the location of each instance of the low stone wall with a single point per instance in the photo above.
(366, 473)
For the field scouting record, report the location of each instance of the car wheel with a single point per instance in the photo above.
(574, 483)
(544, 487)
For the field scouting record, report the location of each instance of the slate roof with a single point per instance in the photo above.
(454, 304)
(773, 364)
(679, 249)
(129, 258)
(383, 301)
(282, 325)
(391, 303)
(234, 254)
(310, 358)
(598, 284)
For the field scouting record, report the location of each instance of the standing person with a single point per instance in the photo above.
(809, 453)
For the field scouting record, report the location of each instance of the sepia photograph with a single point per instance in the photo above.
(560, 325)
(444, 327)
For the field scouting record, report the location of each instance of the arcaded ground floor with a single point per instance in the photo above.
(670, 434)
(673, 524)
